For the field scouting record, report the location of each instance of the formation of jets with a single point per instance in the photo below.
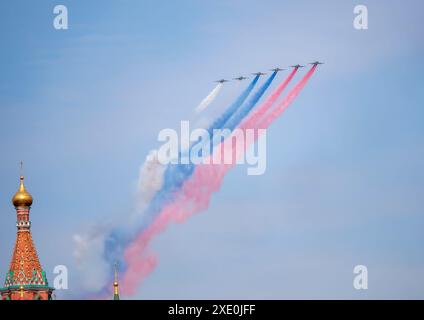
(276, 69)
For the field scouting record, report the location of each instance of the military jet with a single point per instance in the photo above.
(316, 63)
(297, 66)
(277, 69)
(258, 74)
(241, 78)
(221, 81)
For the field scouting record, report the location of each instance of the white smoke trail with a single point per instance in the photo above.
(151, 174)
(89, 244)
(150, 179)
(208, 100)
(88, 252)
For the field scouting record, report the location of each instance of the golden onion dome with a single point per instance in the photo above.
(22, 198)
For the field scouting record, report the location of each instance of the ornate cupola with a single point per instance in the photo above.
(25, 280)
(22, 198)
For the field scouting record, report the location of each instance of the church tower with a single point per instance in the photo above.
(25, 280)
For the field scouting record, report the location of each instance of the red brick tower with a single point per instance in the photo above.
(25, 280)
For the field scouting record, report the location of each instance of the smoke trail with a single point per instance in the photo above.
(208, 100)
(150, 178)
(193, 197)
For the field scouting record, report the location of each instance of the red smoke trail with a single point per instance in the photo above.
(196, 192)
(192, 198)
(284, 104)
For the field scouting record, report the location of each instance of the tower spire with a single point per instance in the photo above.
(26, 279)
(115, 283)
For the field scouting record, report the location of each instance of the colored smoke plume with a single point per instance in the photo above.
(196, 192)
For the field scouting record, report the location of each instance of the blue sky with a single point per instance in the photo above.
(344, 180)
